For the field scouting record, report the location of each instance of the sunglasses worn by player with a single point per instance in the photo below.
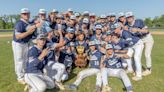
(25, 14)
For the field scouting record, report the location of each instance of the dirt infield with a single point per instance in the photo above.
(10, 35)
(6, 35)
(157, 33)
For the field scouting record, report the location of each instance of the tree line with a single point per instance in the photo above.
(157, 22)
(8, 21)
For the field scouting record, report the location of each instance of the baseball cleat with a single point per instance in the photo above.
(72, 87)
(130, 91)
(146, 72)
(60, 85)
(129, 71)
(21, 81)
(136, 78)
(26, 88)
(106, 89)
(98, 89)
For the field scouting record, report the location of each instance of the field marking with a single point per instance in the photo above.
(10, 35)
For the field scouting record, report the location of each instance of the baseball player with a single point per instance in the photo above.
(103, 22)
(20, 43)
(122, 20)
(52, 18)
(78, 18)
(70, 12)
(103, 19)
(94, 68)
(45, 24)
(69, 57)
(85, 28)
(98, 38)
(55, 70)
(86, 14)
(138, 28)
(81, 49)
(108, 17)
(108, 37)
(111, 65)
(120, 46)
(136, 44)
(60, 24)
(67, 39)
(37, 59)
(92, 22)
(112, 21)
(81, 41)
(72, 21)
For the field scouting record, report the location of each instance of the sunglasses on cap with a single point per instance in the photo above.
(130, 17)
(109, 49)
(121, 16)
(112, 16)
(92, 16)
(42, 14)
(26, 13)
(98, 29)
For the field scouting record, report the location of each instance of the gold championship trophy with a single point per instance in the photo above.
(81, 60)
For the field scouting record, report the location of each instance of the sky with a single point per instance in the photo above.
(140, 8)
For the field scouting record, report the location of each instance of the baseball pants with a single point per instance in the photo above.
(20, 51)
(119, 73)
(39, 82)
(89, 72)
(148, 44)
(138, 48)
(56, 71)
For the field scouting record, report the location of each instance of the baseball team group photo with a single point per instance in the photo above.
(82, 46)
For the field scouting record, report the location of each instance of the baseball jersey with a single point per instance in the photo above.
(95, 59)
(121, 44)
(113, 62)
(62, 26)
(138, 23)
(52, 23)
(34, 65)
(20, 27)
(111, 25)
(66, 58)
(78, 43)
(99, 41)
(51, 54)
(45, 27)
(67, 41)
(127, 36)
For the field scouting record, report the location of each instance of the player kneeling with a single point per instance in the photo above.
(34, 76)
(111, 65)
(94, 68)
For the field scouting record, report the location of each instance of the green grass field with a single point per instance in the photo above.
(4, 33)
(151, 83)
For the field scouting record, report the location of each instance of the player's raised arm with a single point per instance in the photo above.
(102, 62)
